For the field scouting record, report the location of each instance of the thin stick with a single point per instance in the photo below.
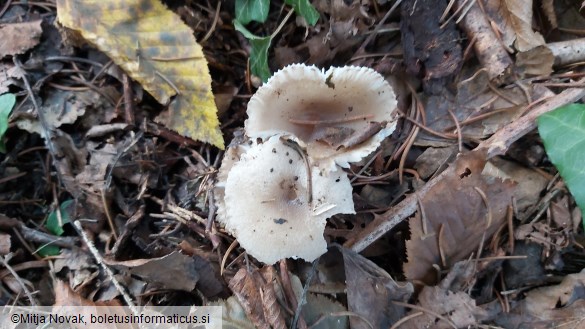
(98, 258)
(292, 144)
(422, 309)
(4, 261)
(330, 121)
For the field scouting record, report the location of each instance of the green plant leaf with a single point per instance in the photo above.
(252, 10)
(7, 102)
(53, 224)
(563, 134)
(305, 9)
(48, 251)
(258, 52)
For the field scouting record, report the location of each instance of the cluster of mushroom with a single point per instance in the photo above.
(275, 192)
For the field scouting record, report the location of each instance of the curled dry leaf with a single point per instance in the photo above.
(370, 292)
(12, 41)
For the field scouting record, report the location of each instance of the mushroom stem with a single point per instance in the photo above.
(330, 121)
(296, 147)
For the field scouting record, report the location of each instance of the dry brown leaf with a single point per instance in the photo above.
(62, 107)
(12, 41)
(180, 271)
(370, 292)
(5, 244)
(537, 61)
(548, 8)
(156, 49)
(519, 13)
(557, 306)
(246, 290)
(454, 219)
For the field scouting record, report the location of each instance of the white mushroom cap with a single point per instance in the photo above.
(267, 203)
(232, 156)
(312, 104)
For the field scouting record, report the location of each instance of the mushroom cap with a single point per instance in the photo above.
(309, 103)
(267, 203)
(231, 157)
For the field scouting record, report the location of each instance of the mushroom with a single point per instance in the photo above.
(277, 203)
(340, 115)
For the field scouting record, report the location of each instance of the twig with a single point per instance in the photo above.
(98, 258)
(4, 261)
(304, 294)
(498, 144)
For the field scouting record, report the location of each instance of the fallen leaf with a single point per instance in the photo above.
(556, 306)
(454, 219)
(179, 271)
(519, 13)
(5, 244)
(169, 64)
(233, 315)
(12, 41)
(537, 61)
(548, 8)
(448, 301)
(60, 107)
(370, 292)
(245, 288)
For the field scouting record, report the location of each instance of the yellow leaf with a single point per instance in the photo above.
(156, 49)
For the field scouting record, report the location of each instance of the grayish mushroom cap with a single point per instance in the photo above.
(340, 115)
(269, 209)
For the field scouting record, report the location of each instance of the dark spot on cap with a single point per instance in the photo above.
(290, 161)
(274, 150)
(337, 180)
(286, 153)
(280, 221)
(271, 169)
(296, 178)
(350, 108)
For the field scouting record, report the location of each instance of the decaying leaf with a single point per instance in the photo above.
(449, 301)
(233, 314)
(12, 41)
(519, 13)
(61, 107)
(557, 306)
(454, 218)
(370, 292)
(179, 271)
(159, 51)
(246, 287)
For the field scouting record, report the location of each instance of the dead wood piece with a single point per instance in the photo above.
(498, 144)
(488, 48)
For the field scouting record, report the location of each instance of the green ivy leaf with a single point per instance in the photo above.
(258, 52)
(53, 224)
(305, 9)
(48, 251)
(563, 134)
(7, 102)
(252, 10)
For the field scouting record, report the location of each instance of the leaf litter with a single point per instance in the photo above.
(462, 220)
